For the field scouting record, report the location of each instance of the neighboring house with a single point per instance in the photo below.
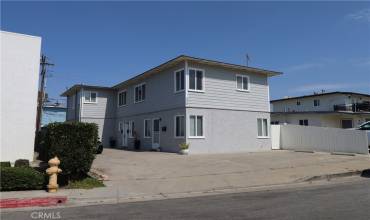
(20, 61)
(53, 113)
(332, 109)
(214, 106)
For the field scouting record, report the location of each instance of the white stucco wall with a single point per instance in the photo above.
(20, 60)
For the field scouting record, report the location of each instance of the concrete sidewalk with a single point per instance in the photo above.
(136, 176)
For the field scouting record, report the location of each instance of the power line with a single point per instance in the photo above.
(44, 63)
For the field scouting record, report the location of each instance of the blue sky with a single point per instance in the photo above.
(316, 45)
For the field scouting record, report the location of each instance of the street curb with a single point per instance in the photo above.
(32, 202)
(331, 176)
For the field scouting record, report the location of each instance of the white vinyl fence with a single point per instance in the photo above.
(296, 137)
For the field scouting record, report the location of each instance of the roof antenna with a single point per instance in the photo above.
(247, 58)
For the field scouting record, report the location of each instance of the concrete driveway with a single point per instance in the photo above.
(152, 173)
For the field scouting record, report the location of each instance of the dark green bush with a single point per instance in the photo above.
(21, 178)
(22, 163)
(5, 164)
(74, 143)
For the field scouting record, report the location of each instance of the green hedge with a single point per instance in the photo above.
(74, 143)
(5, 164)
(21, 178)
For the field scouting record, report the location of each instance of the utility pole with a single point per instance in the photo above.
(41, 94)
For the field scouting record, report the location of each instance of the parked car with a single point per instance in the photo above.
(366, 127)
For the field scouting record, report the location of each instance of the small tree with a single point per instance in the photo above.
(74, 143)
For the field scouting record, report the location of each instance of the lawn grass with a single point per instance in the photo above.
(86, 183)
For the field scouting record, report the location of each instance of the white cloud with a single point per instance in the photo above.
(329, 87)
(362, 15)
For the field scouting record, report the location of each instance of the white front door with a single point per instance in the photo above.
(125, 134)
(123, 127)
(156, 133)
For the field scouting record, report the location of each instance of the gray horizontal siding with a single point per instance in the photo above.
(104, 108)
(220, 91)
(159, 95)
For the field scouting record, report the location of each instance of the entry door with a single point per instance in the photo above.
(125, 134)
(156, 133)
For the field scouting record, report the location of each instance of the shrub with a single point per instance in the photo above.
(22, 163)
(74, 143)
(184, 146)
(5, 164)
(21, 178)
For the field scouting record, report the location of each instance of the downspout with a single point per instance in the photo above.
(81, 104)
(186, 100)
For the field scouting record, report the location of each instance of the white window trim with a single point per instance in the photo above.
(174, 125)
(236, 83)
(96, 100)
(268, 129)
(131, 132)
(174, 81)
(203, 127)
(135, 92)
(151, 128)
(203, 80)
(122, 91)
(317, 102)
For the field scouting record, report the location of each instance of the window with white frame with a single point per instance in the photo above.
(179, 126)
(131, 129)
(90, 97)
(242, 83)
(147, 128)
(122, 98)
(196, 80)
(262, 127)
(316, 102)
(140, 92)
(196, 126)
(179, 80)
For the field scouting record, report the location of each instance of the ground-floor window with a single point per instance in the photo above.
(347, 123)
(147, 128)
(179, 126)
(196, 126)
(303, 122)
(131, 129)
(262, 127)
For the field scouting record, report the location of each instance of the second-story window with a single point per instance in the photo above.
(179, 80)
(122, 98)
(242, 83)
(90, 97)
(298, 102)
(140, 92)
(316, 102)
(196, 79)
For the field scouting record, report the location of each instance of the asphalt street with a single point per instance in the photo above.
(347, 200)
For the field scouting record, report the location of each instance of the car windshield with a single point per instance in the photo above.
(365, 126)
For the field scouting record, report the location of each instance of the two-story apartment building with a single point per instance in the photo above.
(213, 106)
(331, 109)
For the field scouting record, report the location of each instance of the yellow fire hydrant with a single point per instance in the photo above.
(53, 171)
